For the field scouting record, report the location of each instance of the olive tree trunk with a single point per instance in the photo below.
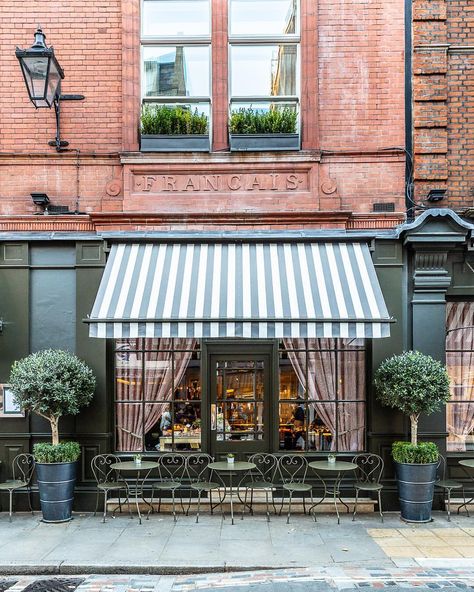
(54, 429)
(414, 428)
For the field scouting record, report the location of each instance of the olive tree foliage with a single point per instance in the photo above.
(414, 383)
(52, 383)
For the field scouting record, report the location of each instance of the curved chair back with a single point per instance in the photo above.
(266, 467)
(441, 469)
(370, 467)
(292, 468)
(103, 473)
(172, 466)
(23, 466)
(197, 467)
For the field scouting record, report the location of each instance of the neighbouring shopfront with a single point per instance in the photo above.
(227, 344)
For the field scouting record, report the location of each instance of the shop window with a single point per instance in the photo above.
(322, 395)
(264, 41)
(157, 395)
(176, 55)
(460, 364)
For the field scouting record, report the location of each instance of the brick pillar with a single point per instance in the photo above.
(309, 75)
(430, 94)
(220, 91)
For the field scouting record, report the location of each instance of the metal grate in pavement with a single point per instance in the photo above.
(54, 585)
(5, 584)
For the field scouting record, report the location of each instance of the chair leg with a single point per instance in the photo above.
(199, 506)
(174, 506)
(304, 504)
(105, 506)
(96, 502)
(268, 509)
(119, 502)
(380, 504)
(29, 500)
(289, 509)
(449, 504)
(244, 505)
(312, 504)
(11, 503)
(355, 506)
(210, 501)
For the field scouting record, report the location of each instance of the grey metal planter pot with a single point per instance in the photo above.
(56, 490)
(173, 143)
(259, 142)
(416, 483)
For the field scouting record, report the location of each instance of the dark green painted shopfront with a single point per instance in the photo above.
(232, 342)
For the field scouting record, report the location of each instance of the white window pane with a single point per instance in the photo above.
(273, 69)
(176, 71)
(263, 17)
(166, 18)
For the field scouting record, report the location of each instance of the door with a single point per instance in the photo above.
(239, 414)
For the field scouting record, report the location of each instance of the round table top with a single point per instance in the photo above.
(235, 466)
(469, 462)
(132, 465)
(339, 465)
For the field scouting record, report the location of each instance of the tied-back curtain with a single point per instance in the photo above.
(326, 379)
(351, 416)
(158, 386)
(321, 375)
(460, 364)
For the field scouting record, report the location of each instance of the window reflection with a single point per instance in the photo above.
(273, 67)
(263, 17)
(164, 18)
(158, 395)
(322, 395)
(176, 71)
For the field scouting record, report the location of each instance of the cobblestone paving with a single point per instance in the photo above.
(288, 580)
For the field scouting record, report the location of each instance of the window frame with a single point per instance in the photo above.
(337, 402)
(175, 41)
(266, 40)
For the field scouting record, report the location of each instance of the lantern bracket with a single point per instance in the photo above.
(57, 142)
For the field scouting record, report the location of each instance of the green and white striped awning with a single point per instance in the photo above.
(239, 289)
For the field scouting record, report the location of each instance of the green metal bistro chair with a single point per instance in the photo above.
(368, 475)
(263, 478)
(108, 480)
(448, 485)
(199, 479)
(23, 466)
(292, 472)
(172, 473)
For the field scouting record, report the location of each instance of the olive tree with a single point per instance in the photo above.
(52, 383)
(414, 383)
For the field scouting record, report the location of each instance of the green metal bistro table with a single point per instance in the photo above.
(341, 468)
(145, 468)
(230, 469)
(467, 464)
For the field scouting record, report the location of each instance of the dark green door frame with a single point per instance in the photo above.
(218, 350)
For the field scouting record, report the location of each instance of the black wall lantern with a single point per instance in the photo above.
(43, 75)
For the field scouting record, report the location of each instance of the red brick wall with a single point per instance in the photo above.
(443, 87)
(352, 101)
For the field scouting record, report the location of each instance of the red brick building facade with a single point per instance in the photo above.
(352, 128)
(443, 63)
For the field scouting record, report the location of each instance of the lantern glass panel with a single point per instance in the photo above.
(54, 79)
(35, 70)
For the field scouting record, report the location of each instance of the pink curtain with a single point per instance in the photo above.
(323, 384)
(460, 364)
(158, 386)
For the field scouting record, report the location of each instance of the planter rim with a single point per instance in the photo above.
(264, 135)
(69, 462)
(416, 464)
(174, 136)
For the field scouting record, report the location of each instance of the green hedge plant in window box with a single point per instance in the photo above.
(168, 128)
(53, 383)
(258, 129)
(414, 383)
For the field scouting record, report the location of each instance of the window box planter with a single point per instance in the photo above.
(259, 142)
(174, 143)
